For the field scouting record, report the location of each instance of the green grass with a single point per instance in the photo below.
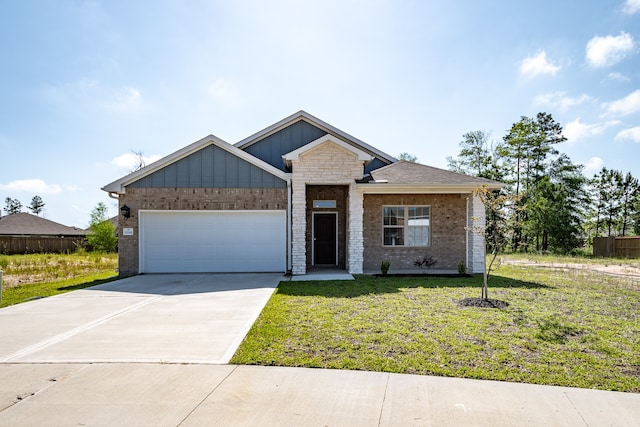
(26, 277)
(569, 328)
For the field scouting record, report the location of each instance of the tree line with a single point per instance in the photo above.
(554, 207)
(14, 206)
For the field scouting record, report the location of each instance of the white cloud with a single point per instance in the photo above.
(609, 50)
(35, 186)
(533, 65)
(631, 133)
(577, 130)
(593, 165)
(618, 77)
(129, 161)
(225, 93)
(560, 101)
(631, 6)
(628, 105)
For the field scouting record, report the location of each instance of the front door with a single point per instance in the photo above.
(325, 238)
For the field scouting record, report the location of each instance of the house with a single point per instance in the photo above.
(23, 233)
(293, 196)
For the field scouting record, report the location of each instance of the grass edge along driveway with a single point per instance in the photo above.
(568, 328)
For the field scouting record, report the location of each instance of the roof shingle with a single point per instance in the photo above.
(23, 224)
(403, 172)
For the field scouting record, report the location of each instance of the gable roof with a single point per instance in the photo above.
(118, 186)
(326, 127)
(404, 176)
(22, 224)
(295, 154)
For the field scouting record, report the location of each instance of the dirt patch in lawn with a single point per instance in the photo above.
(616, 270)
(483, 303)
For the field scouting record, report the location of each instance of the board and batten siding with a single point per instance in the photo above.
(271, 148)
(210, 167)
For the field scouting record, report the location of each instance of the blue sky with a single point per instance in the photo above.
(85, 83)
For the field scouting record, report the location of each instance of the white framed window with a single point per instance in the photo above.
(406, 225)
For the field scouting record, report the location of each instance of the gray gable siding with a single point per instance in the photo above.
(210, 167)
(376, 163)
(271, 148)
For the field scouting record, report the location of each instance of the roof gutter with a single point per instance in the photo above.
(386, 188)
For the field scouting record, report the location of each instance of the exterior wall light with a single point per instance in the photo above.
(125, 211)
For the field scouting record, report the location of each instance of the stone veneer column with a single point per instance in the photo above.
(298, 228)
(355, 255)
(477, 218)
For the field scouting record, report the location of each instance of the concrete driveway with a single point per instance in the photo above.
(171, 318)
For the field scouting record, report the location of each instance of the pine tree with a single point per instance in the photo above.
(36, 205)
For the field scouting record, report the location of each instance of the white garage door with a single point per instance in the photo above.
(212, 241)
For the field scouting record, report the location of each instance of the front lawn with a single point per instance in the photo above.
(562, 327)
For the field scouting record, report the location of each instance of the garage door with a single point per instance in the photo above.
(212, 241)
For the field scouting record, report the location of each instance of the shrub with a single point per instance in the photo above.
(462, 268)
(384, 267)
(103, 237)
(426, 262)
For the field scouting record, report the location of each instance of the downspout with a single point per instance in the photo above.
(466, 237)
(289, 226)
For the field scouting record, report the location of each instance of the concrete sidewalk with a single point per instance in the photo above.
(225, 395)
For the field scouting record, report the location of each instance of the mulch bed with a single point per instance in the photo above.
(422, 275)
(483, 303)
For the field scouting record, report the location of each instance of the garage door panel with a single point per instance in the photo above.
(212, 241)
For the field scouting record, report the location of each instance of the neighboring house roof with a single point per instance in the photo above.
(119, 185)
(25, 224)
(404, 176)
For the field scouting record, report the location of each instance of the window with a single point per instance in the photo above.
(324, 204)
(405, 225)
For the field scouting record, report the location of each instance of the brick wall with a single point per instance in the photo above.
(187, 199)
(448, 234)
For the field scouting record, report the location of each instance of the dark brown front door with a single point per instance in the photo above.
(324, 238)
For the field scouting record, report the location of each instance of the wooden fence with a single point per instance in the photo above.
(617, 247)
(10, 245)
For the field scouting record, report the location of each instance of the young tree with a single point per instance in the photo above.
(502, 220)
(103, 232)
(12, 206)
(36, 205)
